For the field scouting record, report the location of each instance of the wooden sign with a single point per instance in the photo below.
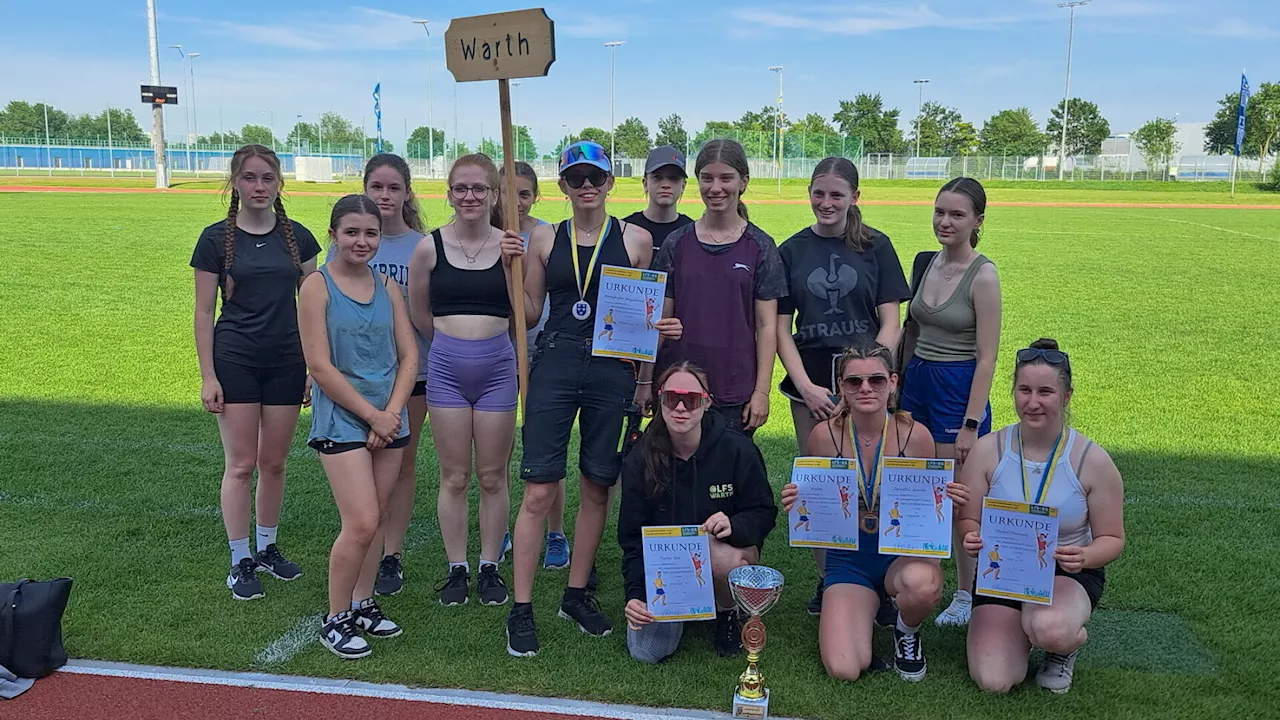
(501, 46)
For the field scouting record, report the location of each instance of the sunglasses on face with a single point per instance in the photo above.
(460, 191)
(853, 383)
(577, 178)
(1053, 357)
(691, 400)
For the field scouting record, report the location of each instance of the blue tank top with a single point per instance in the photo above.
(362, 346)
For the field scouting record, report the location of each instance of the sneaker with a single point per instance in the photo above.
(274, 563)
(490, 585)
(593, 581)
(340, 634)
(243, 581)
(958, 612)
(908, 655)
(557, 552)
(584, 611)
(522, 633)
(455, 588)
(728, 633)
(1056, 672)
(390, 576)
(370, 619)
(506, 548)
(887, 615)
(815, 603)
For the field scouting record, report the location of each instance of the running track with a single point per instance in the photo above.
(91, 690)
(193, 191)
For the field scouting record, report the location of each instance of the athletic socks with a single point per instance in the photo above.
(464, 565)
(904, 628)
(240, 550)
(484, 562)
(266, 536)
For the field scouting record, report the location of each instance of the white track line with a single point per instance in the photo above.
(303, 633)
(467, 698)
(1209, 227)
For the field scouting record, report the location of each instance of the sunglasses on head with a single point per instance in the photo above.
(691, 399)
(1053, 357)
(853, 383)
(577, 178)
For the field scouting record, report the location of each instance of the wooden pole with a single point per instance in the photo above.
(511, 218)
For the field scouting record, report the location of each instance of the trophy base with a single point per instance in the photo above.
(751, 708)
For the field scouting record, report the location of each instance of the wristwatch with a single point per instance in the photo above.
(970, 424)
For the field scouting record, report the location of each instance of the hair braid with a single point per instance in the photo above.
(229, 245)
(285, 223)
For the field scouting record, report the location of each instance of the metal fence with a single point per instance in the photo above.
(1195, 168)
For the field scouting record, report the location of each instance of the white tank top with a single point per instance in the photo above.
(1066, 493)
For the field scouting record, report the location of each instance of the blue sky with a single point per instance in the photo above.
(1137, 59)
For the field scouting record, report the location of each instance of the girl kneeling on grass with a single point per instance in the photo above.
(856, 579)
(360, 348)
(691, 470)
(1042, 454)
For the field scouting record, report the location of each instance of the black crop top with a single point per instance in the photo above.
(467, 292)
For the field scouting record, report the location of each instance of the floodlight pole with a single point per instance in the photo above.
(157, 109)
(777, 125)
(1066, 95)
(613, 126)
(919, 109)
(431, 130)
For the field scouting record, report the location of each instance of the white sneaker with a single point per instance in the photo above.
(1056, 672)
(369, 618)
(340, 634)
(958, 612)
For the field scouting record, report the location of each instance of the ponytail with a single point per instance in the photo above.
(742, 208)
(856, 235)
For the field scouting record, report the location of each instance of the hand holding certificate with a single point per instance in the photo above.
(629, 308)
(677, 573)
(915, 507)
(825, 507)
(1017, 557)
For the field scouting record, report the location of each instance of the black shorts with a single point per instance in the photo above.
(566, 381)
(819, 365)
(732, 415)
(268, 385)
(1091, 579)
(419, 389)
(328, 447)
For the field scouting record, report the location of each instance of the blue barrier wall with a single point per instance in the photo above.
(101, 158)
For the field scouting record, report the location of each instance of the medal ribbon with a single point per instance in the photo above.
(584, 283)
(870, 480)
(1043, 493)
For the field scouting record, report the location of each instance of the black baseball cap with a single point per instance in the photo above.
(663, 156)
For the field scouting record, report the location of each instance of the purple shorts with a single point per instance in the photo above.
(479, 374)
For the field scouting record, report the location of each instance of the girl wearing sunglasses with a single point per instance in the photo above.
(1043, 460)
(567, 381)
(855, 580)
(691, 471)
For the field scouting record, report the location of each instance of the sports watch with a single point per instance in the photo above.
(970, 424)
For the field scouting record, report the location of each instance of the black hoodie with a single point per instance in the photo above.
(725, 474)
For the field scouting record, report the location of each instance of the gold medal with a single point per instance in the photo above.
(870, 484)
(870, 523)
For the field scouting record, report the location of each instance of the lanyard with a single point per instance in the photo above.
(1043, 493)
(870, 480)
(585, 283)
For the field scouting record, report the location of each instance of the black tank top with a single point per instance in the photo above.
(467, 292)
(563, 288)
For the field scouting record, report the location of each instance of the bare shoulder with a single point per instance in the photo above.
(634, 234)
(425, 250)
(313, 289)
(819, 443)
(986, 277)
(541, 239)
(1098, 462)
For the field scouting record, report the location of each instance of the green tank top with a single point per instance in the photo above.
(948, 332)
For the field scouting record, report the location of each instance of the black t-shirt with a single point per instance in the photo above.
(258, 326)
(659, 231)
(835, 290)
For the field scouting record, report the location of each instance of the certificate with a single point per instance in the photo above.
(628, 309)
(915, 511)
(825, 513)
(677, 573)
(1016, 561)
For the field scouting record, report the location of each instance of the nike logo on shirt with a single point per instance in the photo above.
(740, 266)
(261, 244)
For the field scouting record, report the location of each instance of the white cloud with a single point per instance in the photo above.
(863, 19)
(357, 28)
(1241, 29)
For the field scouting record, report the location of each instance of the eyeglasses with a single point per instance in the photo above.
(692, 400)
(1053, 357)
(460, 191)
(577, 178)
(853, 383)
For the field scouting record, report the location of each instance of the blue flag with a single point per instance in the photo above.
(1244, 102)
(377, 110)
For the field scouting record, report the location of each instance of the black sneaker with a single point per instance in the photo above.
(887, 615)
(728, 633)
(815, 603)
(370, 619)
(593, 580)
(908, 655)
(340, 634)
(522, 633)
(490, 585)
(455, 588)
(275, 564)
(243, 581)
(584, 611)
(390, 576)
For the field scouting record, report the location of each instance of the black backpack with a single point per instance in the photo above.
(31, 626)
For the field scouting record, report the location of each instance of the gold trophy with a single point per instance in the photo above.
(755, 588)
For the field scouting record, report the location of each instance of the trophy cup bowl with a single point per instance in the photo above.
(755, 589)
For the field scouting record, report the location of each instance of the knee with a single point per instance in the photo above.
(645, 655)
(592, 495)
(538, 498)
(991, 681)
(922, 585)
(724, 558)
(1053, 633)
(492, 480)
(848, 668)
(454, 480)
(651, 646)
(240, 471)
(274, 467)
(361, 528)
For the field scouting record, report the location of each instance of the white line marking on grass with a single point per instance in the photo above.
(465, 698)
(40, 500)
(1210, 227)
(303, 633)
(201, 449)
(1216, 502)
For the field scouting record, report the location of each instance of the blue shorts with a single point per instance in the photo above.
(865, 567)
(937, 395)
(895, 522)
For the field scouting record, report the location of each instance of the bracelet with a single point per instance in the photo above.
(644, 382)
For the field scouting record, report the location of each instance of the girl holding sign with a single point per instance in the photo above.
(691, 470)
(863, 428)
(566, 381)
(1044, 461)
(460, 296)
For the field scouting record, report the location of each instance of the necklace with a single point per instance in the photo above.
(471, 259)
(732, 234)
(591, 233)
(942, 269)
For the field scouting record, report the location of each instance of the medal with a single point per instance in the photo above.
(870, 484)
(1042, 493)
(582, 308)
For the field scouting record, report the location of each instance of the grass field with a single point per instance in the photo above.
(109, 471)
